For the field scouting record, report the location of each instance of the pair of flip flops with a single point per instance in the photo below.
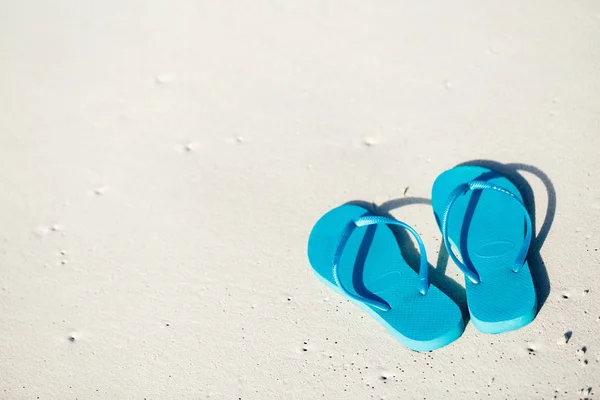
(487, 231)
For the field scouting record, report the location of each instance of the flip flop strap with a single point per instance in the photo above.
(373, 220)
(482, 185)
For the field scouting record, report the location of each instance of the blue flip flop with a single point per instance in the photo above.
(355, 253)
(487, 231)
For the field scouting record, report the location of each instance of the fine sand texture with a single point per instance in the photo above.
(163, 162)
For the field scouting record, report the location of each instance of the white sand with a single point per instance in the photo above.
(162, 163)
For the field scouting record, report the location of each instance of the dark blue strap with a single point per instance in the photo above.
(372, 220)
(482, 185)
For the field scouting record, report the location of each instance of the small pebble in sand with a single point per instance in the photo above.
(100, 190)
(164, 79)
(370, 141)
(566, 337)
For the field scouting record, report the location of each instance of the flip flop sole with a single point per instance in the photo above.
(372, 266)
(488, 229)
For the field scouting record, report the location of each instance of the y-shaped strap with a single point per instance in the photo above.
(482, 185)
(372, 220)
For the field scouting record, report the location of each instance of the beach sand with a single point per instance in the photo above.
(162, 164)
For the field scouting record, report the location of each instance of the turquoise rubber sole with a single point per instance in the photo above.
(488, 229)
(372, 266)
